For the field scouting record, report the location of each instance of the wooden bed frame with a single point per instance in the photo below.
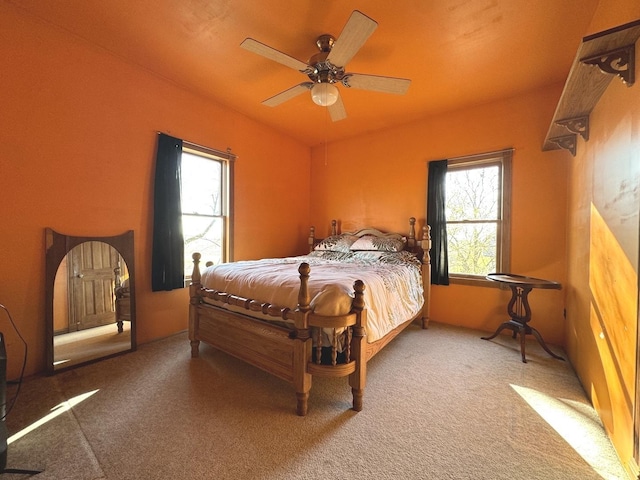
(288, 353)
(122, 301)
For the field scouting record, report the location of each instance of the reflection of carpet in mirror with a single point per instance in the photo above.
(90, 344)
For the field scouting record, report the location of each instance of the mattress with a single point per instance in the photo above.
(393, 285)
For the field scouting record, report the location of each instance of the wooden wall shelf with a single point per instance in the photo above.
(601, 56)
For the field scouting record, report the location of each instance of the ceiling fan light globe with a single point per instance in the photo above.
(324, 94)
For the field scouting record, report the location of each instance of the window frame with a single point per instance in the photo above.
(503, 159)
(227, 160)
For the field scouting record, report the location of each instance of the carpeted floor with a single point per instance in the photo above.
(74, 348)
(439, 404)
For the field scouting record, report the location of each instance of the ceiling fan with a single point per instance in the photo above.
(327, 67)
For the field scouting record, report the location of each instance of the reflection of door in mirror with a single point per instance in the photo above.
(90, 298)
(91, 270)
(89, 328)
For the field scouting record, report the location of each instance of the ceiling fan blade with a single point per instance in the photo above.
(398, 86)
(275, 55)
(337, 111)
(358, 29)
(287, 94)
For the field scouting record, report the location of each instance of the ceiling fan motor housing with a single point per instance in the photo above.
(323, 70)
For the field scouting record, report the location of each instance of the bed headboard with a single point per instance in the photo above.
(418, 246)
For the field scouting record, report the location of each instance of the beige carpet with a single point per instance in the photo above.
(86, 345)
(439, 404)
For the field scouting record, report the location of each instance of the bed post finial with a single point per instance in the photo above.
(195, 276)
(303, 293)
(358, 301)
(334, 227)
(411, 240)
(118, 278)
(312, 238)
(425, 243)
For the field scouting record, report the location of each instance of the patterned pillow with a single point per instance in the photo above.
(380, 244)
(336, 243)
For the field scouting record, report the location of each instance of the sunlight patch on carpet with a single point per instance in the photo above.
(582, 433)
(55, 411)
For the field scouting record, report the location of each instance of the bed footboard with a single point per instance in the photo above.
(287, 354)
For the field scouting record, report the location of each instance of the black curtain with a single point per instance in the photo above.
(167, 263)
(436, 218)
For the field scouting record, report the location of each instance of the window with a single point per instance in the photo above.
(206, 205)
(478, 215)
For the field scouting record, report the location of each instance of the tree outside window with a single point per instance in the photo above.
(204, 207)
(477, 213)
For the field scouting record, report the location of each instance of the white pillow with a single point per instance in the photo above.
(380, 244)
(337, 243)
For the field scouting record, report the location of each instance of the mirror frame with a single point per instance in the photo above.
(57, 245)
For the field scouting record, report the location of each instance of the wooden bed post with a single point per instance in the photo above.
(411, 239)
(194, 294)
(358, 378)
(312, 238)
(425, 244)
(302, 343)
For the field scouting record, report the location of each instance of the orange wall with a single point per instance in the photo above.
(602, 298)
(380, 180)
(78, 128)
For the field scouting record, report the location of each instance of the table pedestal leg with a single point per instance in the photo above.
(520, 313)
(544, 345)
(517, 328)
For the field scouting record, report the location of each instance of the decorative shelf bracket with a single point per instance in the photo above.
(620, 61)
(578, 125)
(613, 52)
(568, 142)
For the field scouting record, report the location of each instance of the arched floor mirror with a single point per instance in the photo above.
(90, 298)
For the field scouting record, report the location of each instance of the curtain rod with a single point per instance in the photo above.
(220, 153)
(483, 155)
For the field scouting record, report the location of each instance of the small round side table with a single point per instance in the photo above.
(519, 310)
